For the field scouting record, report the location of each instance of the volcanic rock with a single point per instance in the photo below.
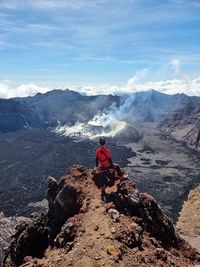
(114, 214)
(143, 236)
(7, 229)
(183, 122)
(188, 223)
(113, 250)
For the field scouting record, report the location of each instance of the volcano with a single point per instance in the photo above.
(101, 125)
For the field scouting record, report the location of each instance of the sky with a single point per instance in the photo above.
(99, 46)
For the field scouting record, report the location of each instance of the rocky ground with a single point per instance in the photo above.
(29, 156)
(7, 226)
(189, 134)
(7, 229)
(188, 222)
(183, 123)
(164, 168)
(87, 226)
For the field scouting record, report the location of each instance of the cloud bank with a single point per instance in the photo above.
(9, 90)
(188, 86)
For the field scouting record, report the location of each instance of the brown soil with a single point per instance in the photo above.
(140, 235)
(189, 220)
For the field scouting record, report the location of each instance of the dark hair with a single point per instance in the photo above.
(102, 141)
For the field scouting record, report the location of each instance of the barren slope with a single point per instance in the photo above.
(88, 227)
(189, 221)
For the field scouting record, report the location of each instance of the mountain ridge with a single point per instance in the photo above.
(61, 106)
(87, 226)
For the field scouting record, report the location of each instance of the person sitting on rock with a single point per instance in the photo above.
(104, 159)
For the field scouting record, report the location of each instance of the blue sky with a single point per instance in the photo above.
(118, 43)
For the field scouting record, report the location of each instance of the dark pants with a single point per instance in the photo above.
(118, 170)
(105, 173)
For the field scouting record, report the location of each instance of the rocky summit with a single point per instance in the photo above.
(86, 225)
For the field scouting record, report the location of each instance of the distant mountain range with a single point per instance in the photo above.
(175, 113)
(50, 109)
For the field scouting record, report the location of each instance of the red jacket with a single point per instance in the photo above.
(103, 155)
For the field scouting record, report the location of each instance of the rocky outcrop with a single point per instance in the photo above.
(188, 222)
(193, 137)
(183, 122)
(7, 229)
(32, 238)
(186, 132)
(89, 226)
(7, 226)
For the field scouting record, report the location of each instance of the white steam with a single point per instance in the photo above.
(100, 125)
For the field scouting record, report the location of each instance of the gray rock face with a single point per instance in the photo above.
(183, 123)
(32, 237)
(68, 232)
(7, 229)
(52, 191)
(7, 226)
(157, 223)
(114, 214)
(63, 204)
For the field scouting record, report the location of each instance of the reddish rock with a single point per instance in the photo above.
(144, 235)
(114, 251)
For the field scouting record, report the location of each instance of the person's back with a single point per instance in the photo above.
(103, 157)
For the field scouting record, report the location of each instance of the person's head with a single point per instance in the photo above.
(102, 141)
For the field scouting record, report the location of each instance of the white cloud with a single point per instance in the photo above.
(190, 87)
(187, 86)
(11, 4)
(139, 75)
(47, 4)
(9, 89)
(175, 64)
(186, 3)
